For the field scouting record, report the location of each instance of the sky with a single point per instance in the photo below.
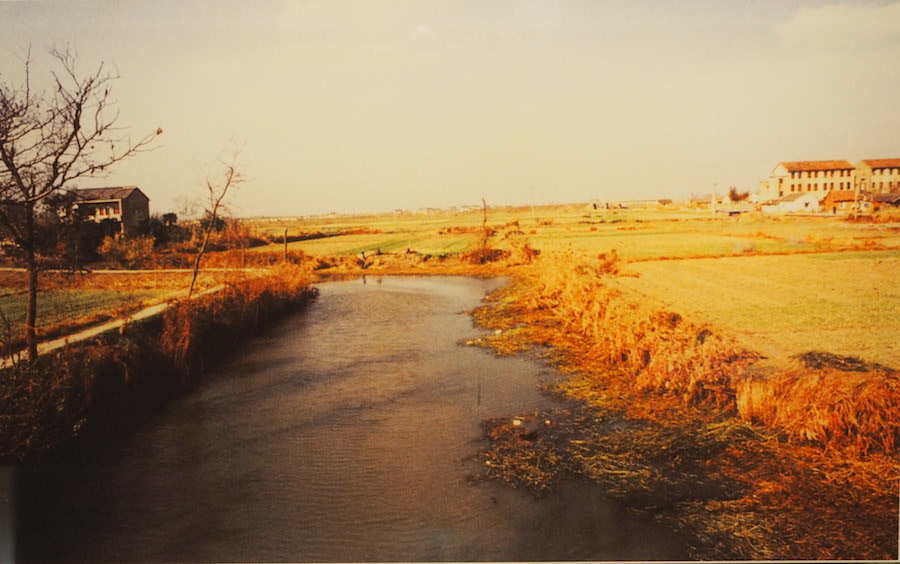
(365, 106)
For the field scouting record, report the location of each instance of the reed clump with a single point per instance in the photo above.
(850, 410)
(658, 350)
(205, 326)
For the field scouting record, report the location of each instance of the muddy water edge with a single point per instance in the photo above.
(347, 432)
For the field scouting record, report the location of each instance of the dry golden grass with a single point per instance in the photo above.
(48, 403)
(662, 351)
(659, 350)
(781, 306)
(857, 412)
(670, 444)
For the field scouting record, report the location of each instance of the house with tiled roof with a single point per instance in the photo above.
(126, 205)
(839, 200)
(878, 176)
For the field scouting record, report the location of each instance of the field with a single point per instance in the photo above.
(844, 303)
(781, 285)
(635, 234)
(59, 306)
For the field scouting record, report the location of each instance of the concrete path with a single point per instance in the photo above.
(87, 333)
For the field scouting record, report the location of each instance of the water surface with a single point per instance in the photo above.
(345, 433)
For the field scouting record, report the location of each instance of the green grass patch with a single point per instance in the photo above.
(64, 306)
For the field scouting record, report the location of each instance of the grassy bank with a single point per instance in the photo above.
(92, 388)
(676, 421)
(72, 300)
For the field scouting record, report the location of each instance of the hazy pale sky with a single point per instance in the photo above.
(359, 105)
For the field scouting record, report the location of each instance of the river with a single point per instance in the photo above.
(346, 432)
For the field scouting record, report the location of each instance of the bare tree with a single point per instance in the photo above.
(217, 189)
(48, 140)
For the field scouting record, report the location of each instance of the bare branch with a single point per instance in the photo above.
(217, 191)
(50, 140)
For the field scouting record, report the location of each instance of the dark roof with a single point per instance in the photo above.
(816, 165)
(112, 193)
(888, 198)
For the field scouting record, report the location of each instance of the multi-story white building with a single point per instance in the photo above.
(806, 176)
(878, 176)
(865, 179)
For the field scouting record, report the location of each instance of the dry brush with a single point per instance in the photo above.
(90, 389)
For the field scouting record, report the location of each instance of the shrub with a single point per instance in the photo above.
(127, 252)
(484, 255)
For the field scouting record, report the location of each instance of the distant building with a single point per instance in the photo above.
(878, 176)
(126, 205)
(839, 200)
(839, 185)
(886, 199)
(796, 202)
(801, 177)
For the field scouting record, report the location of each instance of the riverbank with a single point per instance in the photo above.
(662, 425)
(111, 381)
(674, 421)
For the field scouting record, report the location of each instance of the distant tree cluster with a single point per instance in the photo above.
(736, 196)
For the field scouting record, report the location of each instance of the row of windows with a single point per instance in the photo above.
(107, 210)
(825, 186)
(820, 173)
(839, 173)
